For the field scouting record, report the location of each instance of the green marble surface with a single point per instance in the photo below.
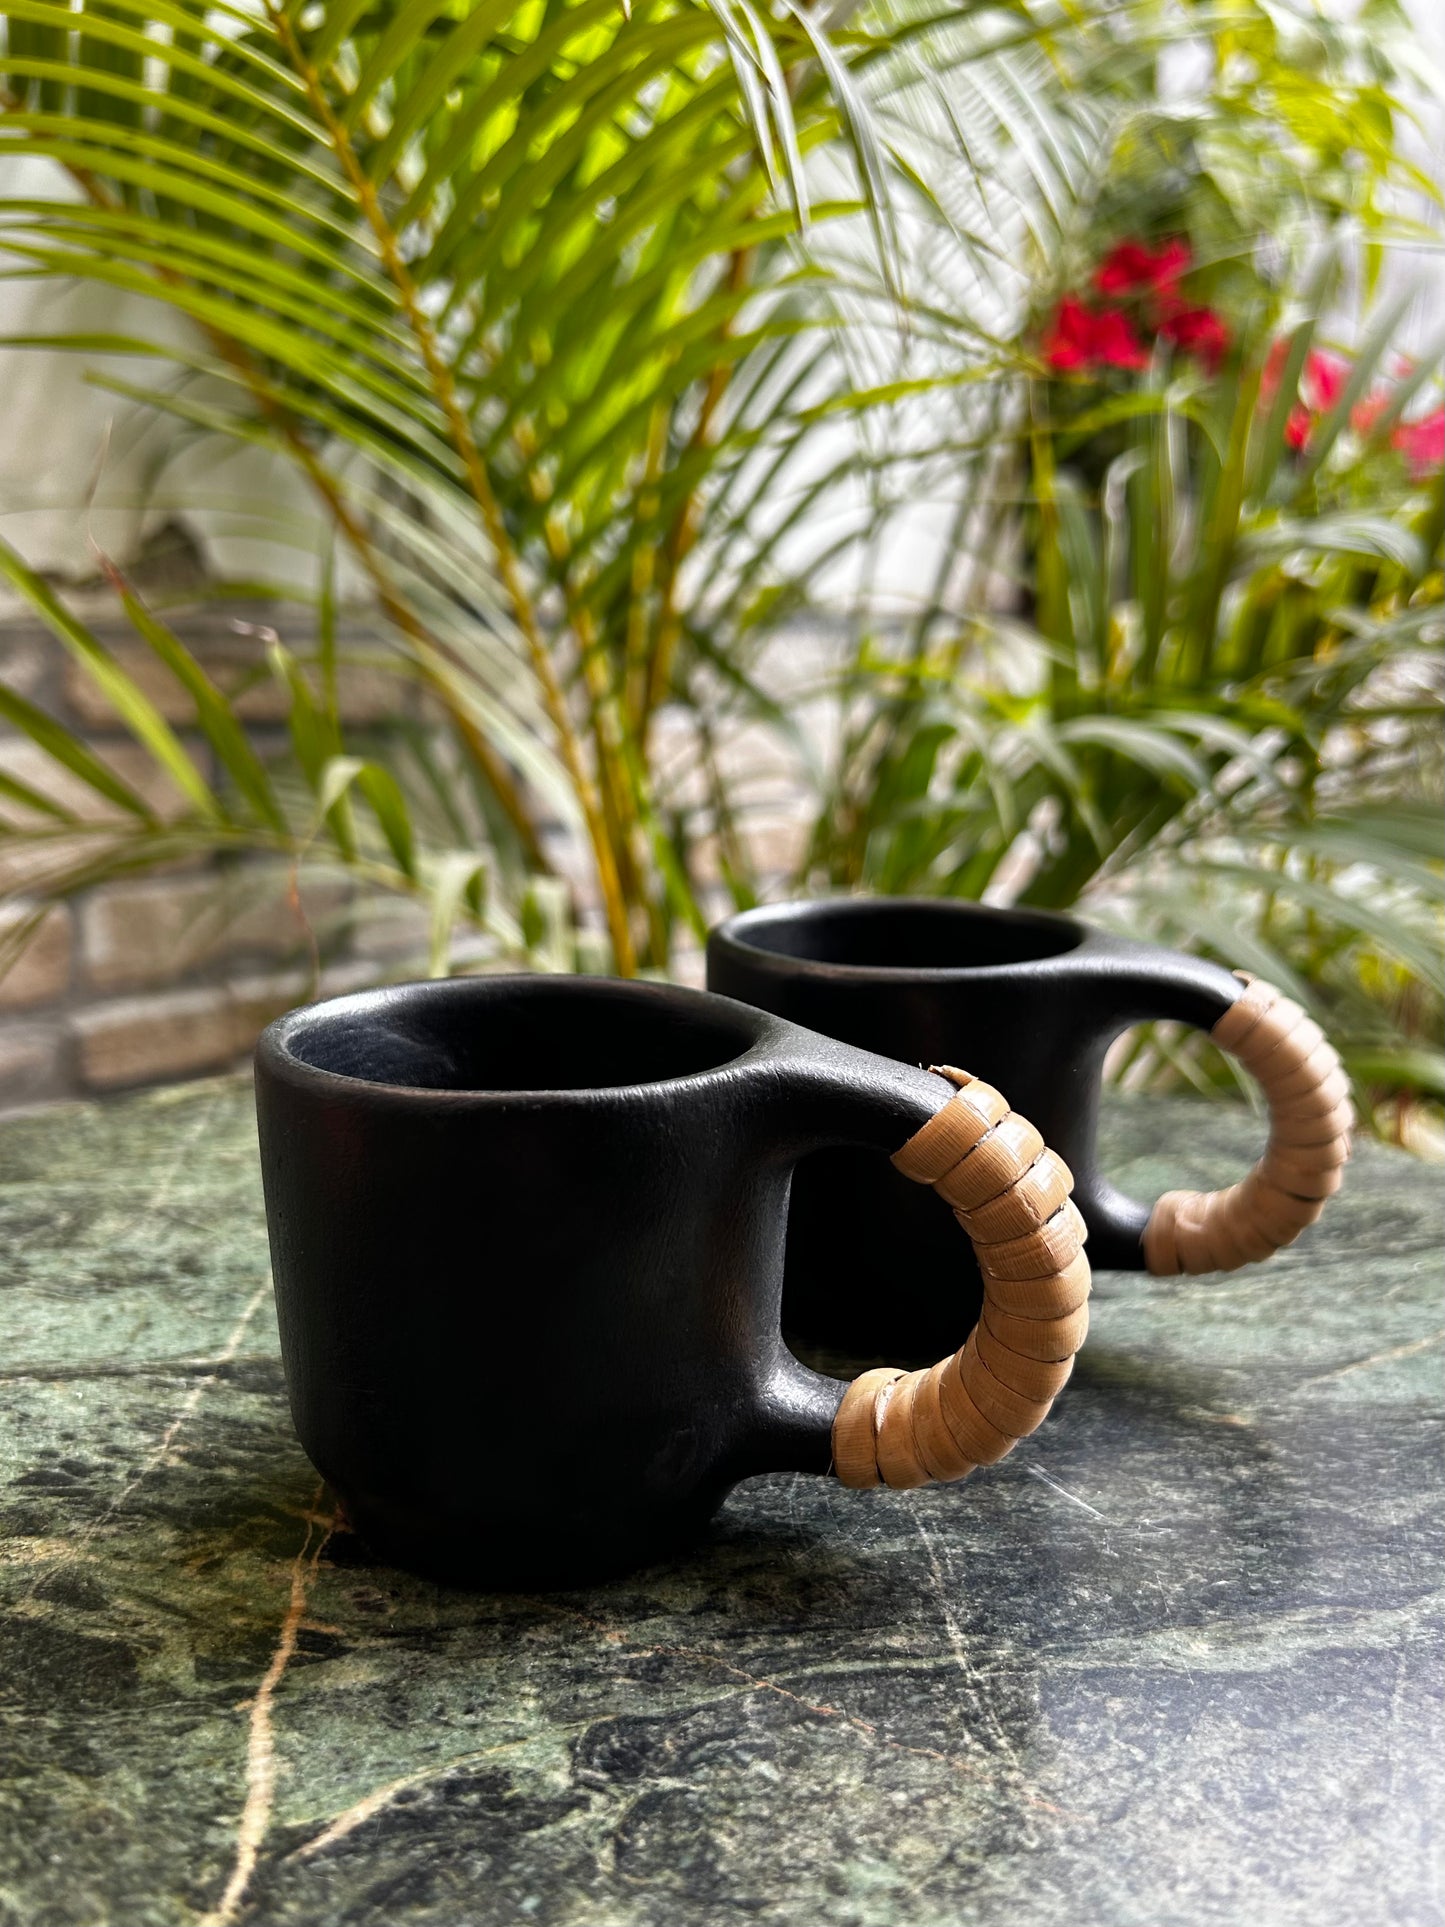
(1178, 1660)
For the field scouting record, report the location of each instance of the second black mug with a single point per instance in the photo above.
(1025, 1000)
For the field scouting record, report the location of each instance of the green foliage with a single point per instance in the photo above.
(483, 273)
(611, 342)
(1182, 658)
(390, 824)
(1219, 722)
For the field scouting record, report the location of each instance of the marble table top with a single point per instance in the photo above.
(1178, 1660)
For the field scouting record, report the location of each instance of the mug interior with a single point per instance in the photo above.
(864, 933)
(515, 1034)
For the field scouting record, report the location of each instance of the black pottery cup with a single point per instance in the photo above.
(527, 1239)
(1025, 1000)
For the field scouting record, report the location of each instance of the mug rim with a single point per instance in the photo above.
(733, 934)
(275, 1053)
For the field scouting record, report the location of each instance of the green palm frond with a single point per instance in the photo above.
(324, 806)
(509, 257)
(612, 340)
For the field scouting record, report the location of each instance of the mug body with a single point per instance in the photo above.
(526, 1238)
(1027, 1000)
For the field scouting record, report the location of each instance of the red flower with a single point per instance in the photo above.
(1323, 375)
(1133, 268)
(1422, 443)
(1115, 342)
(1196, 331)
(1324, 380)
(1068, 343)
(1087, 338)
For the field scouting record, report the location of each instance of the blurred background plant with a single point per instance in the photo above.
(1042, 360)
(1182, 659)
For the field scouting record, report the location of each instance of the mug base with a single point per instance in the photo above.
(546, 1555)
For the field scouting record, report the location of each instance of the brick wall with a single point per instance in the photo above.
(173, 975)
(170, 975)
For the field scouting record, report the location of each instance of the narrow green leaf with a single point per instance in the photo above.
(382, 791)
(135, 709)
(70, 753)
(214, 715)
(13, 790)
(1416, 1067)
(453, 880)
(864, 143)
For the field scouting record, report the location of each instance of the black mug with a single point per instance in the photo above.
(1026, 1000)
(527, 1239)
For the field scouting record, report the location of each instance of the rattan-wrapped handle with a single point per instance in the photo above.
(1310, 1119)
(1011, 1194)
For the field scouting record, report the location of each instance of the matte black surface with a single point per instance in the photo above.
(529, 1312)
(1026, 1000)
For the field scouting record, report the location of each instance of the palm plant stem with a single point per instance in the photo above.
(688, 520)
(618, 793)
(459, 427)
(644, 576)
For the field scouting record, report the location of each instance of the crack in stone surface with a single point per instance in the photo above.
(1390, 1357)
(260, 1733)
(190, 1405)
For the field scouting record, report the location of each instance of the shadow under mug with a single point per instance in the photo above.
(1026, 1000)
(527, 1239)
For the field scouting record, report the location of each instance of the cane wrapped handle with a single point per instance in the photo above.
(1310, 1119)
(1011, 1194)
